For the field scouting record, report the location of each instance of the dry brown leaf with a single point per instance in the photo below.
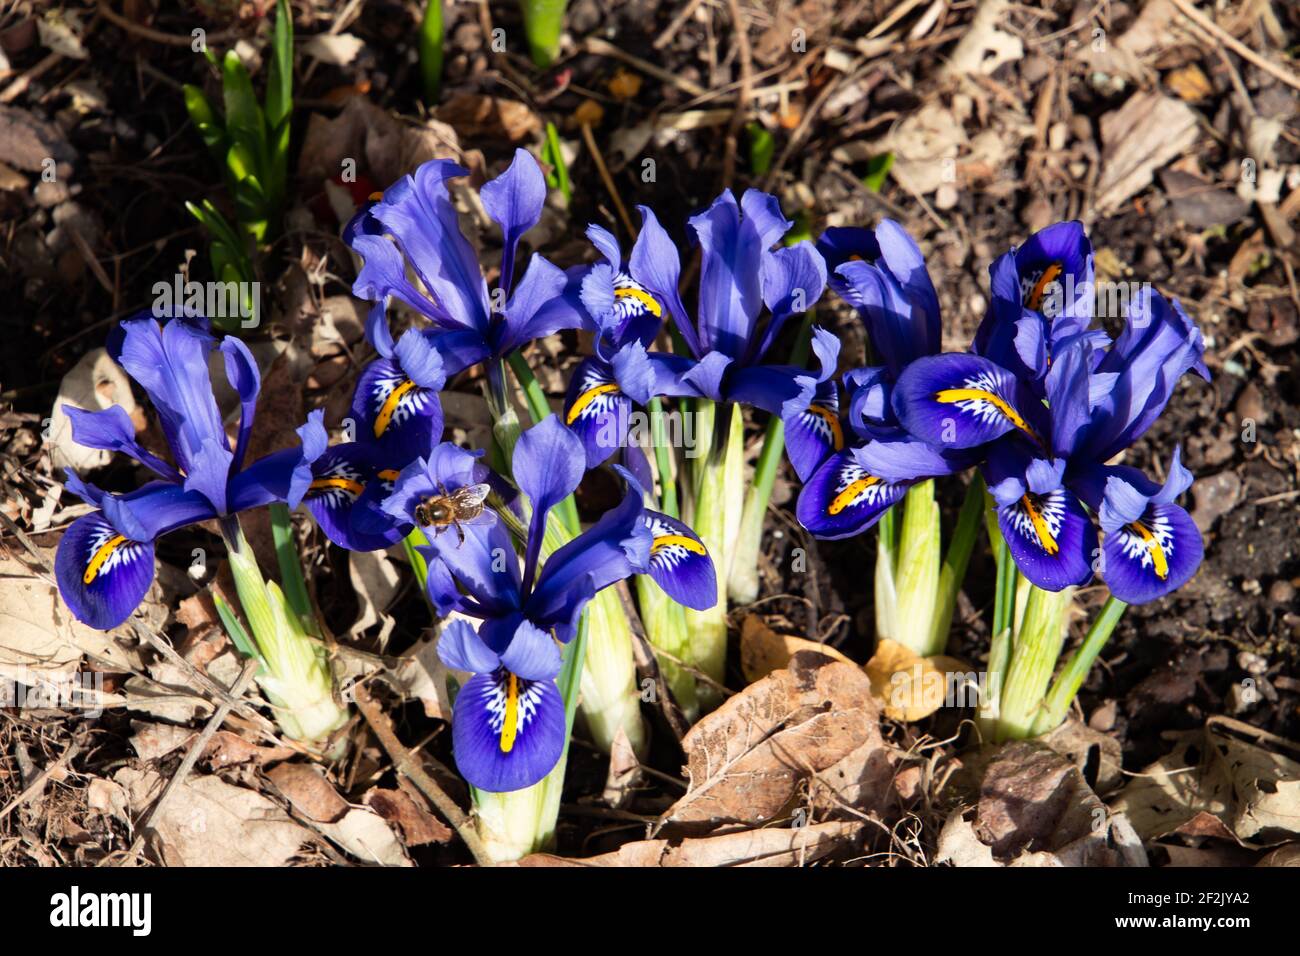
(39, 634)
(773, 846)
(94, 383)
(365, 835)
(1083, 746)
(909, 687)
(1242, 777)
(208, 822)
(410, 814)
(762, 650)
(1189, 84)
(1035, 809)
(747, 759)
(306, 788)
(477, 117)
(1130, 154)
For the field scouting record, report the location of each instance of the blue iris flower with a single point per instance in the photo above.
(1045, 440)
(104, 564)
(508, 721)
(415, 225)
(856, 466)
(740, 275)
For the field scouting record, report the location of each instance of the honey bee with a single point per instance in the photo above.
(450, 508)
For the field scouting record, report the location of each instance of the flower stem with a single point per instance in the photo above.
(286, 554)
(1037, 646)
(665, 625)
(955, 562)
(719, 480)
(295, 672)
(917, 564)
(663, 460)
(539, 408)
(742, 583)
(1067, 684)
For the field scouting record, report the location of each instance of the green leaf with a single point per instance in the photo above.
(294, 584)
(244, 122)
(762, 147)
(238, 636)
(558, 178)
(878, 168)
(279, 84)
(430, 42)
(205, 119)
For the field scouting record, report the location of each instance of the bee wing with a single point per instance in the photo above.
(473, 494)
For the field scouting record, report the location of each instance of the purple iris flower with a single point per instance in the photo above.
(396, 417)
(856, 466)
(416, 225)
(625, 318)
(1044, 458)
(507, 724)
(104, 564)
(740, 274)
(1042, 298)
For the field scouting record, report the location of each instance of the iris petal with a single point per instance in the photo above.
(507, 732)
(1051, 538)
(1152, 556)
(960, 401)
(102, 575)
(597, 410)
(842, 499)
(680, 564)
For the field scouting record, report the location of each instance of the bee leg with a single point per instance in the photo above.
(460, 533)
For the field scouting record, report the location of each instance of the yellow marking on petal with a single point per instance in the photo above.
(390, 406)
(586, 398)
(668, 540)
(388, 474)
(949, 396)
(849, 494)
(508, 728)
(831, 419)
(1040, 526)
(1153, 548)
(102, 554)
(347, 484)
(1039, 291)
(642, 296)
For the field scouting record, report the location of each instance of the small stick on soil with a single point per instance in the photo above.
(191, 758)
(406, 765)
(38, 782)
(671, 30)
(608, 180)
(603, 48)
(1235, 45)
(157, 36)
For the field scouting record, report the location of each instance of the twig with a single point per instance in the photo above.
(157, 36)
(406, 765)
(608, 180)
(191, 758)
(38, 782)
(602, 48)
(1235, 45)
(678, 21)
(740, 31)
